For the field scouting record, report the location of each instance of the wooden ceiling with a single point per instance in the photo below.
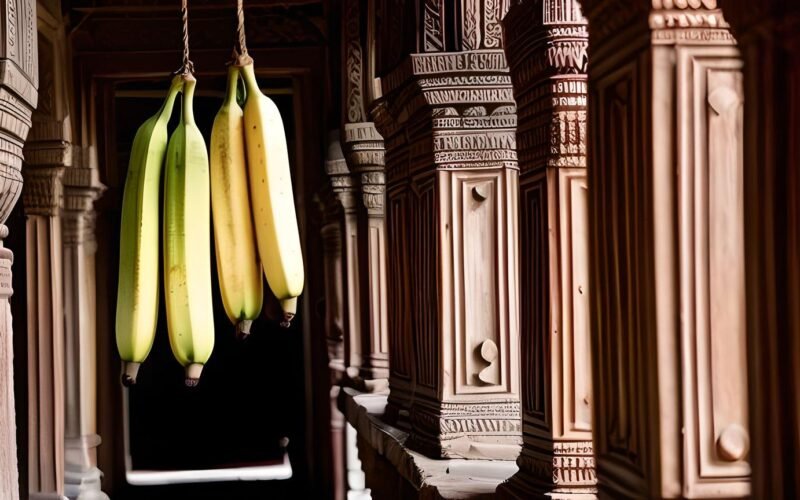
(154, 25)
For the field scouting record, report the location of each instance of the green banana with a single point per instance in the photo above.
(187, 239)
(137, 291)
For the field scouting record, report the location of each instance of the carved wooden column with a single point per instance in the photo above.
(546, 46)
(364, 153)
(666, 251)
(346, 192)
(364, 147)
(46, 156)
(48, 153)
(768, 33)
(81, 188)
(452, 184)
(19, 81)
(331, 234)
(402, 371)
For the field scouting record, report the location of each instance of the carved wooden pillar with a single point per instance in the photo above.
(546, 46)
(48, 153)
(402, 365)
(667, 243)
(365, 156)
(45, 159)
(364, 153)
(346, 192)
(331, 234)
(19, 81)
(81, 188)
(768, 33)
(452, 184)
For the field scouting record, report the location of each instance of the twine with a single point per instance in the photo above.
(188, 65)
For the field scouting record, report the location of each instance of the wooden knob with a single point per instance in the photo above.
(733, 443)
(479, 193)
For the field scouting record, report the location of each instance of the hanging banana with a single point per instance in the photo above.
(238, 266)
(187, 253)
(272, 197)
(137, 290)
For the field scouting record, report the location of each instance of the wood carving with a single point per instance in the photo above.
(768, 33)
(81, 188)
(546, 43)
(451, 175)
(364, 153)
(352, 86)
(661, 288)
(345, 190)
(19, 81)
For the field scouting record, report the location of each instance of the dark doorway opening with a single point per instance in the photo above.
(251, 396)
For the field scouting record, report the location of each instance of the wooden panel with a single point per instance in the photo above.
(399, 289)
(622, 327)
(712, 271)
(423, 287)
(574, 366)
(534, 266)
(477, 208)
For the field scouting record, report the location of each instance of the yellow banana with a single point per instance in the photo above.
(187, 235)
(137, 292)
(272, 197)
(238, 267)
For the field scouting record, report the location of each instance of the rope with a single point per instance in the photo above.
(188, 65)
(241, 42)
(240, 56)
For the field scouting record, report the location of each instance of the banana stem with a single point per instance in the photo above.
(233, 83)
(249, 77)
(175, 87)
(188, 95)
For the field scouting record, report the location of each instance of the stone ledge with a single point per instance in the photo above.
(444, 478)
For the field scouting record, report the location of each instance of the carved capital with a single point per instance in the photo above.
(547, 51)
(677, 21)
(19, 79)
(43, 191)
(365, 155)
(341, 180)
(465, 100)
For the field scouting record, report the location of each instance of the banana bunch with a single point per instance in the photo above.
(187, 235)
(238, 266)
(250, 190)
(271, 196)
(137, 291)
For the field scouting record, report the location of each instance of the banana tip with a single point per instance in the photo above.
(129, 372)
(243, 329)
(287, 320)
(193, 372)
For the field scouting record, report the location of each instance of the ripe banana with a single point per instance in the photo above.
(187, 235)
(238, 267)
(137, 292)
(272, 196)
